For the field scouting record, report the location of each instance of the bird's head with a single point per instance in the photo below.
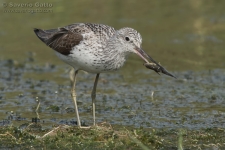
(129, 39)
(130, 42)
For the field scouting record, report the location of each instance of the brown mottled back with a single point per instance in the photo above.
(61, 40)
(64, 39)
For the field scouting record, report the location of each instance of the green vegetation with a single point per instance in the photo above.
(104, 136)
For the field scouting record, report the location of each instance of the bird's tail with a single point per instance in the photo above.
(44, 35)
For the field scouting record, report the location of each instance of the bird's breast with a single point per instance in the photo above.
(93, 58)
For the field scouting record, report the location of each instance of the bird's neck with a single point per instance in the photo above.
(115, 59)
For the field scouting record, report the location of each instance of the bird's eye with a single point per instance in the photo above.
(127, 38)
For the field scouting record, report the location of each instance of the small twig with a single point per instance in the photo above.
(39, 103)
(54, 130)
(7, 133)
(139, 143)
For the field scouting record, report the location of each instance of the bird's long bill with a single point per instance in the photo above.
(144, 55)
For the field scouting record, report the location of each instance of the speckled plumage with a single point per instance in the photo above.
(91, 47)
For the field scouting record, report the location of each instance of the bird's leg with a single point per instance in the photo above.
(93, 95)
(73, 93)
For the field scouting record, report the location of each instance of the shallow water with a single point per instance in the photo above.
(187, 37)
(194, 100)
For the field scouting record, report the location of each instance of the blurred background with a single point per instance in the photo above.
(185, 36)
(182, 35)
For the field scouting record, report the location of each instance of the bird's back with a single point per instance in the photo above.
(64, 39)
(81, 45)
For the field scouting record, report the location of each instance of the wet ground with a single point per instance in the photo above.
(186, 37)
(194, 100)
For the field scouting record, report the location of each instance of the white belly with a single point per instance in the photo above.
(82, 60)
(90, 57)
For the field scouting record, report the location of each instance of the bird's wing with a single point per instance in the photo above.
(61, 40)
(64, 39)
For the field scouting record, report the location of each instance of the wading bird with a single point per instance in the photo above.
(95, 48)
